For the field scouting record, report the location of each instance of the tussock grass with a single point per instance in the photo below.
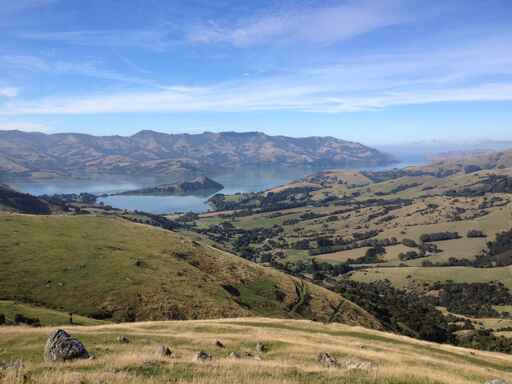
(292, 357)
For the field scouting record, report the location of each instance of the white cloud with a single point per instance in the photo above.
(23, 126)
(9, 91)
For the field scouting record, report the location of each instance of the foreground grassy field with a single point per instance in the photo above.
(293, 347)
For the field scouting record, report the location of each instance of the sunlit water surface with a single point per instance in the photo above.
(239, 180)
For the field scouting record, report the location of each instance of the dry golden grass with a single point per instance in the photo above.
(292, 357)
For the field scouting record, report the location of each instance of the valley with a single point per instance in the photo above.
(422, 251)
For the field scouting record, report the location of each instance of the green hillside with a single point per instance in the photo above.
(108, 268)
(45, 316)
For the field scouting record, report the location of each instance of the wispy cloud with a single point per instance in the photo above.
(9, 91)
(57, 67)
(152, 38)
(314, 24)
(477, 72)
(326, 24)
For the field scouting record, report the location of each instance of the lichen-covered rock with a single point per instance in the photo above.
(327, 360)
(235, 355)
(61, 346)
(219, 344)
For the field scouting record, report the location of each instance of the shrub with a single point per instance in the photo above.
(475, 233)
(21, 319)
(439, 236)
(409, 243)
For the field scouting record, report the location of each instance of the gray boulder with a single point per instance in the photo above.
(61, 346)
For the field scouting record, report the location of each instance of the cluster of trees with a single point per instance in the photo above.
(328, 246)
(397, 189)
(65, 198)
(417, 316)
(485, 340)
(473, 299)
(20, 319)
(154, 220)
(399, 311)
(488, 184)
(409, 255)
(319, 270)
(439, 236)
(475, 233)
(264, 202)
(498, 252)
(392, 174)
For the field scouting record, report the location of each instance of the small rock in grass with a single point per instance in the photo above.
(165, 351)
(16, 364)
(202, 356)
(261, 348)
(496, 381)
(361, 365)
(235, 355)
(219, 344)
(123, 340)
(327, 360)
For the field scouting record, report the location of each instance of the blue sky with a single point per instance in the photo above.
(375, 71)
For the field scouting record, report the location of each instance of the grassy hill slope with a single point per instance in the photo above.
(113, 269)
(14, 201)
(46, 317)
(291, 358)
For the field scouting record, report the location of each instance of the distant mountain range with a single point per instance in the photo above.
(443, 149)
(39, 155)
